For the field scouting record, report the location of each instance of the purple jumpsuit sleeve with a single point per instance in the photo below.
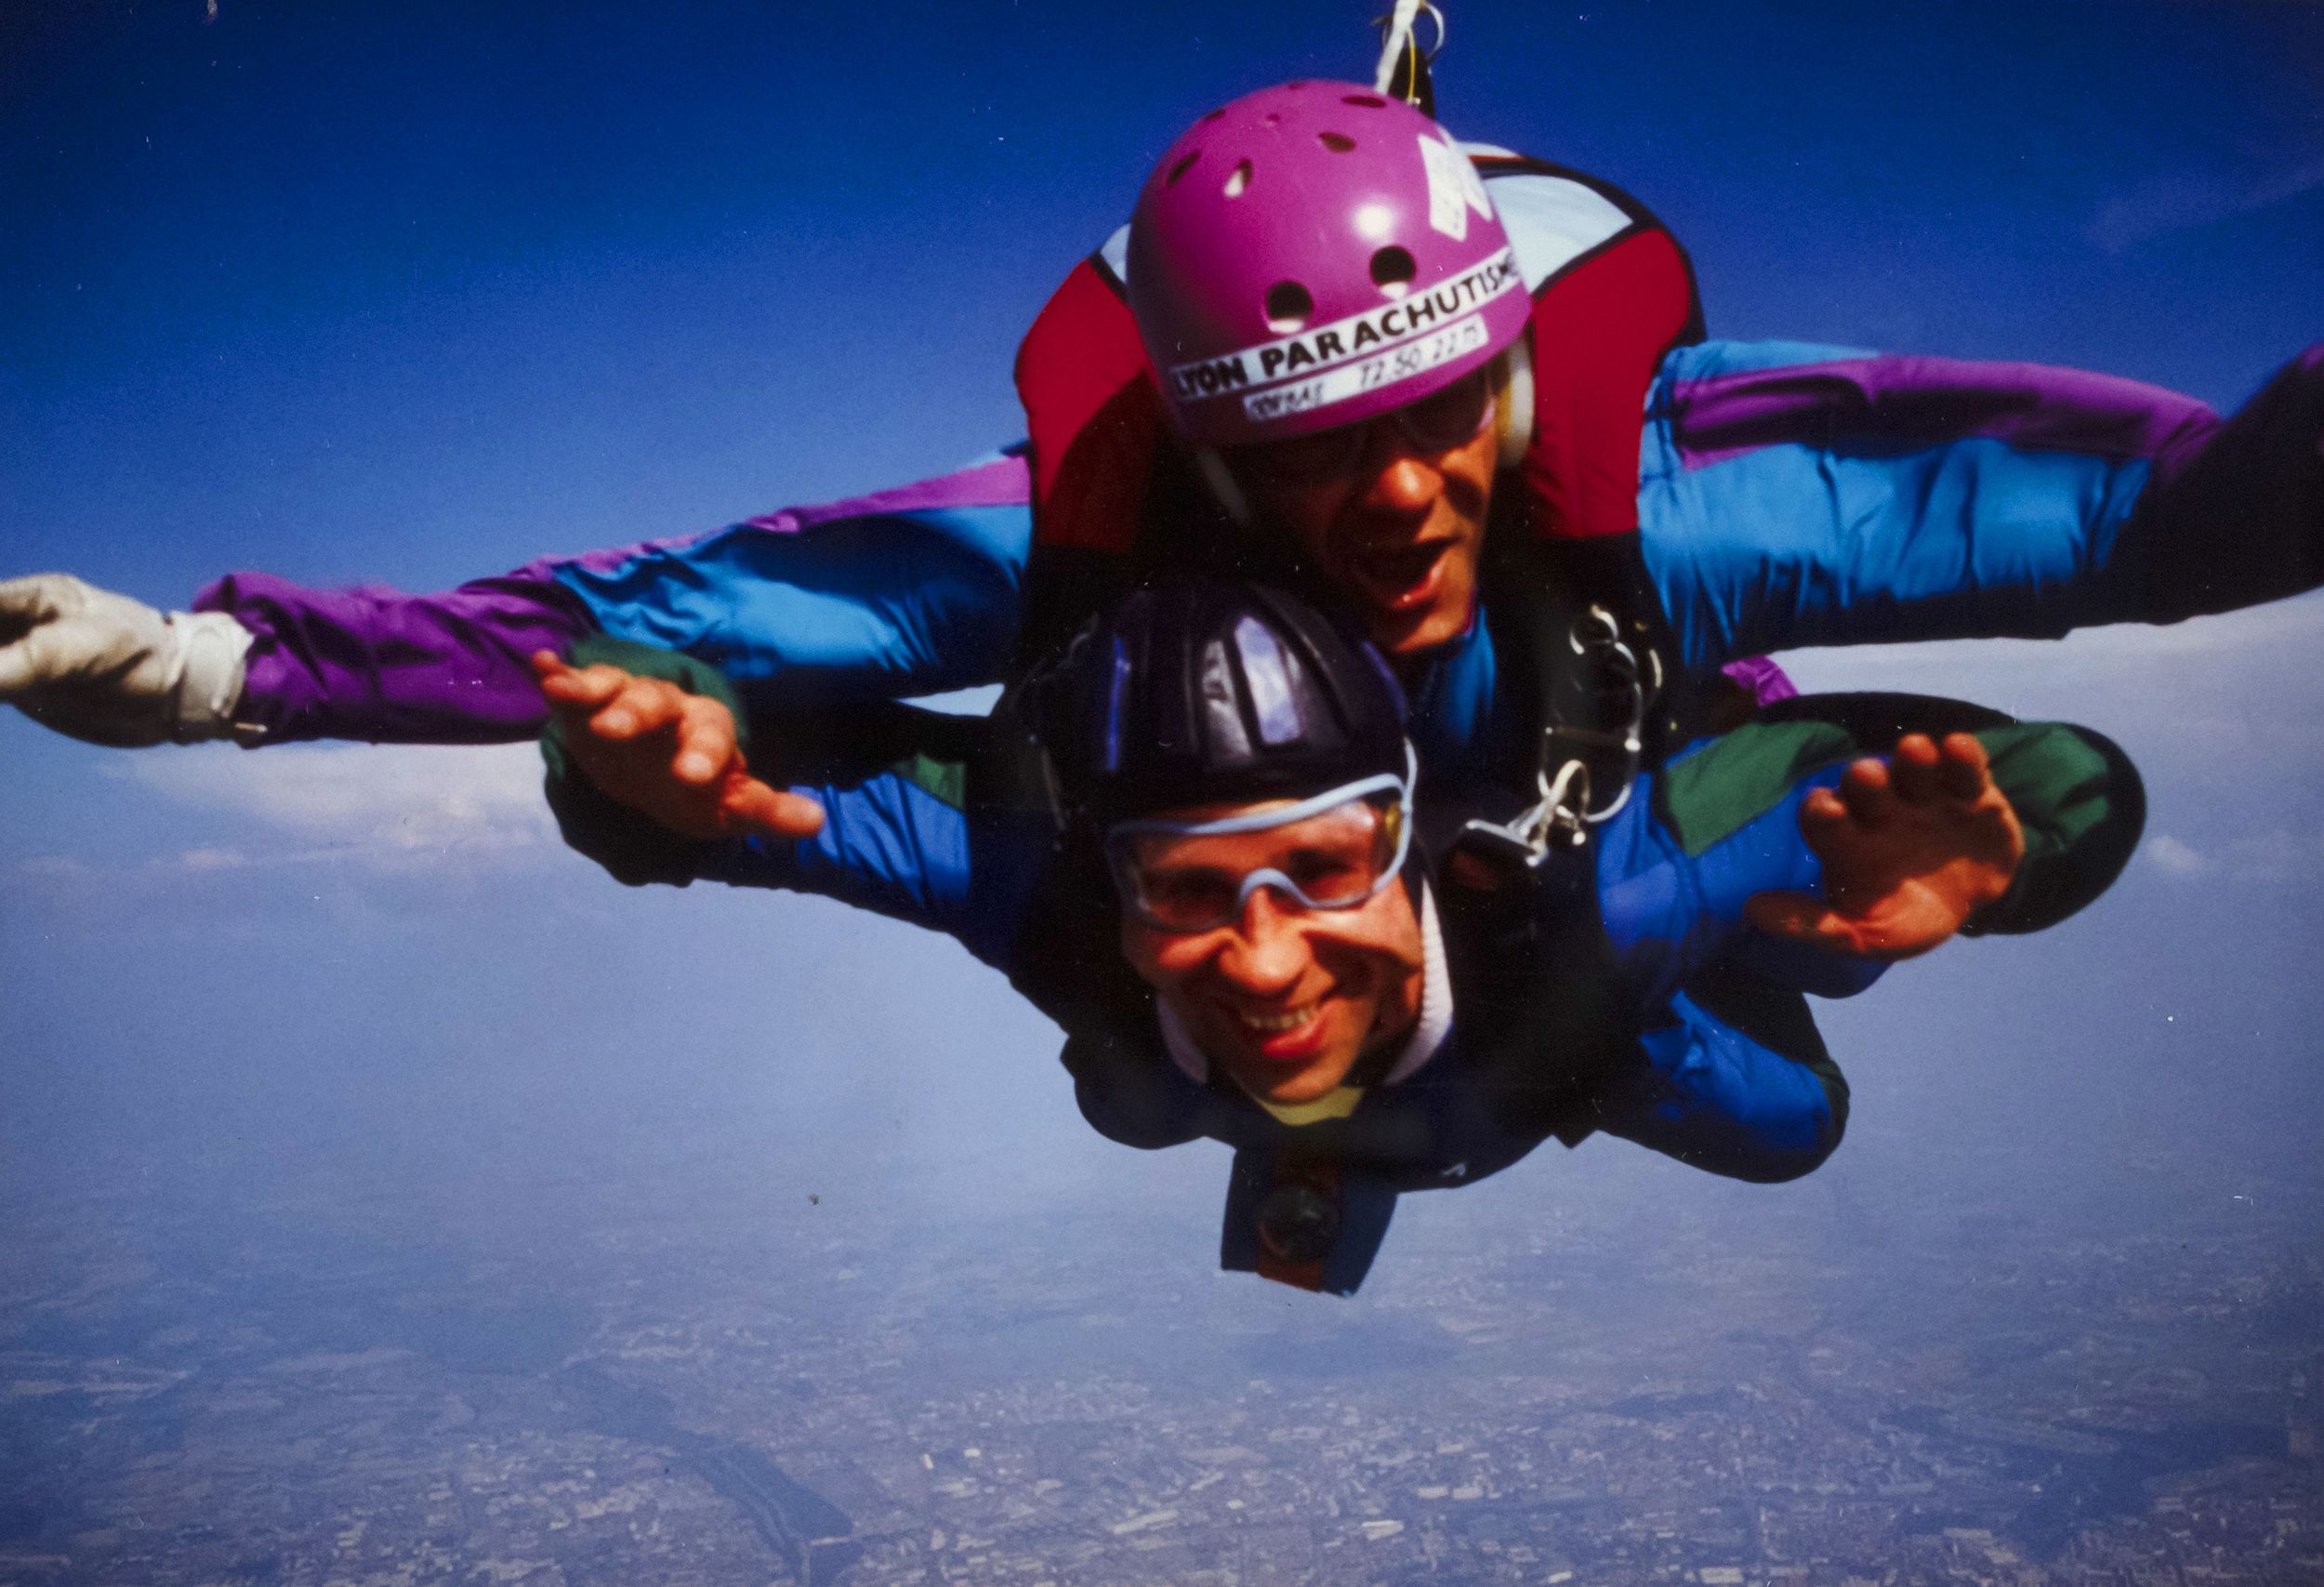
(373, 662)
(908, 591)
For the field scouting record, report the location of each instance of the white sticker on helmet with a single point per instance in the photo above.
(1424, 316)
(1449, 175)
(1464, 335)
(1472, 185)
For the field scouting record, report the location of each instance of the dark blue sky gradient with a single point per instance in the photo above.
(419, 292)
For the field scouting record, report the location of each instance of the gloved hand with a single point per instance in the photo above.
(101, 667)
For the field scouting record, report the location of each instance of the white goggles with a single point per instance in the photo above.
(1335, 851)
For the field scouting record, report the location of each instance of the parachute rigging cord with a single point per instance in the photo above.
(1404, 66)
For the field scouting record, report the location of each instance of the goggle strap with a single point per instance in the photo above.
(1260, 821)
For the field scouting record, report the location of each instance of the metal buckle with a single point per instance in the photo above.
(1597, 639)
(1562, 817)
(1555, 821)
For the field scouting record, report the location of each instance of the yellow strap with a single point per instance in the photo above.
(1331, 1104)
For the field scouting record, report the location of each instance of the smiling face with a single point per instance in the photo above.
(1287, 998)
(1390, 512)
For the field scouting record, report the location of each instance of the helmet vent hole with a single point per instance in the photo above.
(1239, 180)
(1392, 270)
(1369, 101)
(1338, 142)
(1301, 84)
(1288, 305)
(1181, 169)
(1216, 114)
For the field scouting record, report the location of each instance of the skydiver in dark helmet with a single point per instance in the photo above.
(1199, 841)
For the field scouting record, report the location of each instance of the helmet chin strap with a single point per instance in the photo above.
(1512, 423)
(1215, 474)
(1515, 417)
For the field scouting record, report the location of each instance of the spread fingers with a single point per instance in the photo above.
(1912, 770)
(640, 706)
(1965, 772)
(705, 739)
(1869, 795)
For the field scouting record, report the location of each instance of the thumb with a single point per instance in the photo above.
(26, 604)
(1796, 917)
(29, 662)
(745, 804)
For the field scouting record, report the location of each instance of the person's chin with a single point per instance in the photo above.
(1420, 630)
(1287, 1089)
(1288, 1080)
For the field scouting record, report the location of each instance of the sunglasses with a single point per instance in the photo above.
(1336, 851)
(1439, 422)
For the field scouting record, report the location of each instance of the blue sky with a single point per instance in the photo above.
(416, 294)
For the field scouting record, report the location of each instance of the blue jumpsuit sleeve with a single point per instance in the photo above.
(908, 591)
(1710, 1093)
(1669, 913)
(890, 846)
(1793, 495)
(1718, 1100)
(1736, 1078)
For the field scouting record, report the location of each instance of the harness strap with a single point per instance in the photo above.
(1589, 685)
(1094, 415)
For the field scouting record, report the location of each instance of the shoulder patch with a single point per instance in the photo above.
(1114, 254)
(1717, 789)
(1552, 221)
(946, 781)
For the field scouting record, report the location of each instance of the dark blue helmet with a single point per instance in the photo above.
(1208, 691)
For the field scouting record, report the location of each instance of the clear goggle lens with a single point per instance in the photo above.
(1437, 423)
(1336, 851)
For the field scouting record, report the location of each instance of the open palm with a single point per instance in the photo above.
(1911, 848)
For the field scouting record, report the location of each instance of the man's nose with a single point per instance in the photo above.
(1268, 952)
(1396, 479)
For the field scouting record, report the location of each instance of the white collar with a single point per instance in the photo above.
(1428, 1032)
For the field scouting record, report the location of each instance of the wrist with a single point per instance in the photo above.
(207, 676)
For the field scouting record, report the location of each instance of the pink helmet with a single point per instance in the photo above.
(1314, 254)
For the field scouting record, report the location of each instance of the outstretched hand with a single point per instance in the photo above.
(650, 744)
(108, 669)
(1910, 850)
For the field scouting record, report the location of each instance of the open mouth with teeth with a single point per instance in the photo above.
(1399, 577)
(1282, 1035)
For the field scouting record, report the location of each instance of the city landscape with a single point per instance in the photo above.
(806, 1393)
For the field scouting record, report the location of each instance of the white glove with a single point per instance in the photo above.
(113, 670)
